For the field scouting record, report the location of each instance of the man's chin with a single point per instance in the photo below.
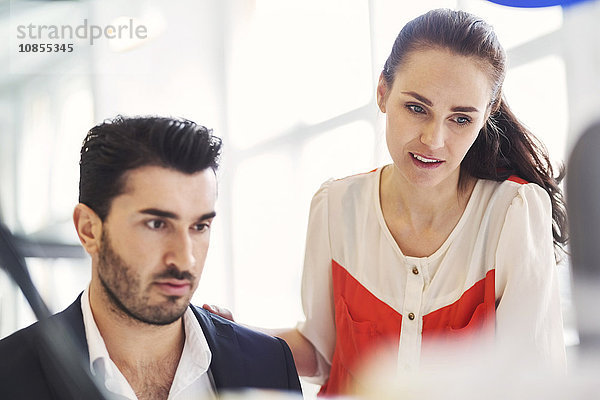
(165, 313)
(160, 318)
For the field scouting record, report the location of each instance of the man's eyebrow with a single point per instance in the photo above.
(171, 215)
(159, 213)
(206, 216)
(430, 103)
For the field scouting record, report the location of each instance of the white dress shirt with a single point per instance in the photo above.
(191, 379)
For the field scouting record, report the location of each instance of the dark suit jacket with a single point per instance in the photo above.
(241, 358)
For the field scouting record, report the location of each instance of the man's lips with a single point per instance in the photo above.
(174, 287)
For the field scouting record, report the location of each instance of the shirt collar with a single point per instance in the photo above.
(100, 363)
(195, 358)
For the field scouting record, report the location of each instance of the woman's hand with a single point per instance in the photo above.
(220, 311)
(303, 351)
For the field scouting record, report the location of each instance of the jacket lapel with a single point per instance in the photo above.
(226, 365)
(72, 318)
(67, 332)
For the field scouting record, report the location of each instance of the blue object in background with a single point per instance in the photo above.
(536, 3)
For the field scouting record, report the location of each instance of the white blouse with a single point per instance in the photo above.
(495, 273)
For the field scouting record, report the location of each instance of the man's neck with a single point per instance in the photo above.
(147, 355)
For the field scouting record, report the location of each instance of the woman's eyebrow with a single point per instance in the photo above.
(430, 103)
(464, 109)
(420, 98)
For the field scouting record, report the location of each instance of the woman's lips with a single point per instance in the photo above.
(425, 162)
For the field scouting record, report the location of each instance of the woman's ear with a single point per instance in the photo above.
(89, 228)
(381, 93)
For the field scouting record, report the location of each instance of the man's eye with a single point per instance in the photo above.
(415, 108)
(201, 227)
(155, 224)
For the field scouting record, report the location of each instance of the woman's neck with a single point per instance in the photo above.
(420, 206)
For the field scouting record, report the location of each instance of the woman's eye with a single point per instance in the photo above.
(155, 224)
(463, 120)
(415, 108)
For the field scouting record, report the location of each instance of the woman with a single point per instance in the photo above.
(454, 240)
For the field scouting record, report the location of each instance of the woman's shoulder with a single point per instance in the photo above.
(359, 178)
(348, 193)
(357, 182)
(513, 190)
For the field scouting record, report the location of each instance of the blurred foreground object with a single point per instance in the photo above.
(63, 364)
(490, 375)
(259, 394)
(583, 205)
(536, 3)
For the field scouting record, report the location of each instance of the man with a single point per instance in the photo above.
(147, 194)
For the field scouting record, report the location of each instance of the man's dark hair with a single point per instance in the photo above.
(125, 143)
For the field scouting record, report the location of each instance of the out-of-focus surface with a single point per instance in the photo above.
(583, 197)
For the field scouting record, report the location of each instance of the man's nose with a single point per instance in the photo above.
(180, 251)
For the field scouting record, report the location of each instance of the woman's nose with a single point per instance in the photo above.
(432, 135)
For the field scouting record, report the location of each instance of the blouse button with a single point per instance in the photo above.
(411, 316)
(415, 270)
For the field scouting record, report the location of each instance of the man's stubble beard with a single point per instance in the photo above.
(122, 286)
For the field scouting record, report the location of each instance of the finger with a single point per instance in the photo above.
(220, 311)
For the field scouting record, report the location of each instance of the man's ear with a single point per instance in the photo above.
(89, 228)
(381, 93)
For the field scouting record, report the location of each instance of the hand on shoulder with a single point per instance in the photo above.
(220, 311)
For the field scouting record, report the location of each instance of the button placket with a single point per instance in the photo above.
(409, 348)
(414, 293)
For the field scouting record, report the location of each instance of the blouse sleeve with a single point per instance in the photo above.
(317, 289)
(528, 313)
